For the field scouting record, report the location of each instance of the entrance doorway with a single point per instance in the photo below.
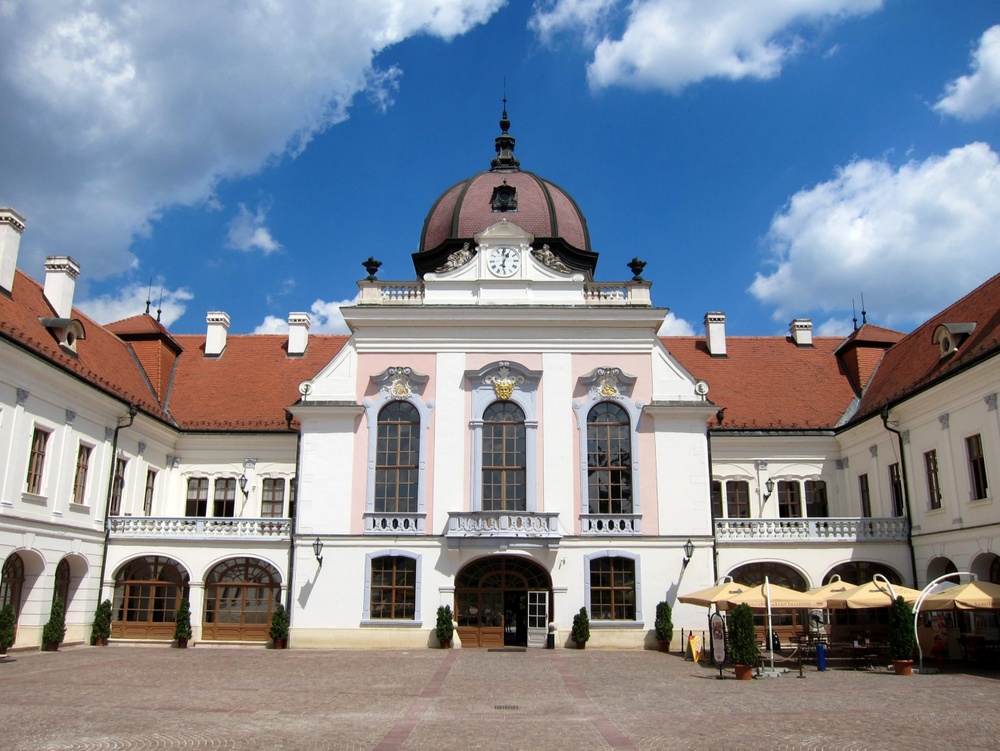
(502, 601)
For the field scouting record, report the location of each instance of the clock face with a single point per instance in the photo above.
(504, 261)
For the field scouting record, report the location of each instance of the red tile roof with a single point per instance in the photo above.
(102, 359)
(770, 383)
(249, 386)
(915, 362)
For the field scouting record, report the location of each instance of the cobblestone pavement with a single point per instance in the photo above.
(122, 697)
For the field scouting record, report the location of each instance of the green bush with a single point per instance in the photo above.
(742, 647)
(279, 623)
(901, 636)
(101, 629)
(8, 627)
(445, 627)
(55, 630)
(182, 621)
(664, 623)
(581, 627)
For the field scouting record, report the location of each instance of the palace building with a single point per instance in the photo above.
(503, 433)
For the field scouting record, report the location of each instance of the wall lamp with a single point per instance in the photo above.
(769, 487)
(688, 553)
(243, 485)
(318, 550)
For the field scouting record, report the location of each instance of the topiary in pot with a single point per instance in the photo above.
(444, 629)
(279, 626)
(742, 646)
(580, 633)
(8, 628)
(182, 624)
(100, 631)
(901, 636)
(664, 626)
(55, 630)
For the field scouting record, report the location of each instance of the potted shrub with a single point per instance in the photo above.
(445, 627)
(901, 637)
(100, 632)
(182, 624)
(55, 630)
(580, 633)
(279, 627)
(742, 646)
(8, 628)
(664, 626)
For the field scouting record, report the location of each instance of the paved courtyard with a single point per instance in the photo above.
(123, 697)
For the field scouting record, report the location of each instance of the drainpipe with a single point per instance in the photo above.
(715, 549)
(294, 522)
(125, 421)
(884, 414)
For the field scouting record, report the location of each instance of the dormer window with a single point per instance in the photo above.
(949, 336)
(504, 198)
(66, 331)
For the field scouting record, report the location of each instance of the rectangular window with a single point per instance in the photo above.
(896, 489)
(36, 461)
(225, 497)
(394, 587)
(738, 499)
(866, 498)
(789, 500)
(272, 500)
(197, 497)
(716, 499)
(80, 478)
(293, 488)
(147, 501)
(118, 486)
(933, 481)
(612, 589)
(816, 505)
(977, 466)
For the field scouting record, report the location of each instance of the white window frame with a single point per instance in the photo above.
(366, 614)
(636, 560)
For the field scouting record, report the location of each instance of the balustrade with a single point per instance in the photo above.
(394, 524)
(199, 527)
(503, 524)
(611, 524)
(854, 529)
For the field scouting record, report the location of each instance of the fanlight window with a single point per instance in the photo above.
(609, 460)
(504, 458)
(397, 458)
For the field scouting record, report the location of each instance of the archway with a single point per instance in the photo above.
(503, 600)
(785, 623)
(941, 566)
(860, 572)
(148, 591)
(986, 566)
(12, 584)
(240, 594)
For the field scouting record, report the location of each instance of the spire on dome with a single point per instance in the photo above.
(505, 159)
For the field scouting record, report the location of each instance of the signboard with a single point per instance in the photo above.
(718, 626)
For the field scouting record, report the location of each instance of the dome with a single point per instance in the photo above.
(505, 191)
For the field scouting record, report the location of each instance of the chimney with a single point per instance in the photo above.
(298, 333)
(60, 284)
(11, 227)
(801, 330)
(215, 340)
(715, 334)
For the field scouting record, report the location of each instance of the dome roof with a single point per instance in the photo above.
(505, 191)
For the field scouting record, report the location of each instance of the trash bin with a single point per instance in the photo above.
(820, 656)
(550, 641)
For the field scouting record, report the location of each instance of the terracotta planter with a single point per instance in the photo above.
(182, 643)
(100, 641)
(743, 672)
(50, 646)
(581, 645)
(663, 646)
(445, 644)
(902, 667)
(278, 643)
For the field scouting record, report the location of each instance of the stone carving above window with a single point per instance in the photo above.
(400, 382)
(608, 383)
(504, 381)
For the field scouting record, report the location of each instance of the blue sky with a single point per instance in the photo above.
(771, 159)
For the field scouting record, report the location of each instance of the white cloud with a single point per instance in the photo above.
(247, 231)
(131, 301)
(910, 240)
(326, 318)
(835, 327)
(670, 44)
(974, 96)
(115, 112)
(674, 326)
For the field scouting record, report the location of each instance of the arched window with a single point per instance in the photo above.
(62, 583)
(613, 587)
(504, 458)
(860, 572)
(752, 574)
(148, 591)
(12, 583)
(393, 588)
(240, 594)
(609, 459)
(397, 457)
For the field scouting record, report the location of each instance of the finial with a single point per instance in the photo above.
(149, 294)
(636, 266)
(854, 312)
(505, 159)
(864, 313)
(159, 305)
(371, 266)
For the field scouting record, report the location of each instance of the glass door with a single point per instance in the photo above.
(538, 618)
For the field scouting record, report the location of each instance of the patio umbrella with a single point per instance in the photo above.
(713, 595)
(871, 595)
(835, 587)
(780, 597)
(975, 595)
